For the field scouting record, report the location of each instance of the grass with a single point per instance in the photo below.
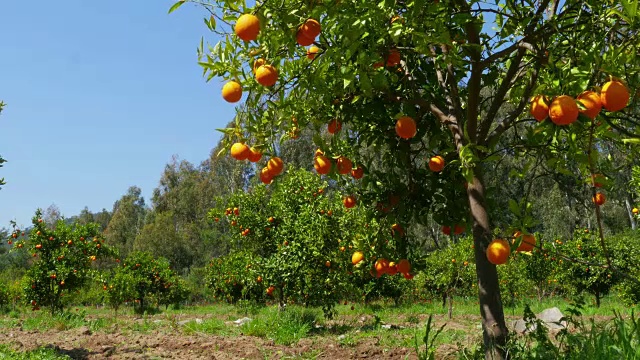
(42, 353)
(363, 324)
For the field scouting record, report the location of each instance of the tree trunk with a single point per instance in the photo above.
(597, 299)
(494, 328)
(450, 306)
(632, 220)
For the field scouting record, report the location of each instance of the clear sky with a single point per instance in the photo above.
(100, 95)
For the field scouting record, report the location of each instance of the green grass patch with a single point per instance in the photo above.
(43, 353)
(284, 327)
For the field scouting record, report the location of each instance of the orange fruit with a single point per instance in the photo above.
(254, 155)
(591, 102)
(614, 96)
(322, 164)
(232, 91)
(408, 276)
(344, 165)
(446, 230)
(275, 166)
(382, 266)
(259, 279)
(247, 27)
(599, 199)
(240, 151)
(406, 127)
(539, 108)
(357, 257)
(392, 269)
(394, 58)
(312, 52)
(267, 75)
(310, 29)
(318, 153)
(334, 126)
(357, 173)
(378, 65)
(563, 110)
(527, 243)
(436, 163)
(327, 264)
(303, 40)
(349, 201)
(397, 228)
(258, 63)
(635, 211)
(498, 252)
(404, 266)
(458, 229)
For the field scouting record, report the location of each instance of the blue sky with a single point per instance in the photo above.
(100, 95)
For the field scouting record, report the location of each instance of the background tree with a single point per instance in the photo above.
(462, 85)
(127, 221)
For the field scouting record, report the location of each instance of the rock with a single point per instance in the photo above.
(184, 322)
(199, 321)
(391, 326)
(84, 330)
(242, 321)
(342, 337)
(520, 326)
(552, 318)
(157, 321)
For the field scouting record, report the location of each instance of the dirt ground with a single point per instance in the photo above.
(82, 344)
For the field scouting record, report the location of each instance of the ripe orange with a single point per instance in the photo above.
(382, 266)
(327, 264)
(255, 155)
(357, 173)
(408, 276)
(397, 228)
(322, 164)
(404, 266)
(310, 29)
(258, 63)
(344, 165)
(436, 163)
(406, 127)
(563, 110)
(265, 176)
(312, 52)
(528, 241)
(270, 290)
(303, 40)
(458, 229)
(599, 199)
(232, 92)
(539, 108)
(446, 230)
(275, 165)
(240, 151)
(349, 201)
(591, 102)
(247, 27)
(614, 96)
(498, 252)
(635, 211)
(334, 126)
(318, 153)
(357, 257)
(394, 58)
(267, 75)
(392, 269)
(259, 279)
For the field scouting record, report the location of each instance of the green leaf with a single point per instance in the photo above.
(513, 206)
(175, 6)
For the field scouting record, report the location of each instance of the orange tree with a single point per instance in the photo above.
(63, 255)
(428, 94)
(144, 280)
(294, 242)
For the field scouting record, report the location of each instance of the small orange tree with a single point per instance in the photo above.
(62, 259)
(293, 242)
(428, 95)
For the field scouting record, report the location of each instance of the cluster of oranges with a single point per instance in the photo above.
(383, 266)
(499, 250)
(564, 110)
(247, 28)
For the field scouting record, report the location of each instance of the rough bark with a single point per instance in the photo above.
(632, 220)
(493, 323)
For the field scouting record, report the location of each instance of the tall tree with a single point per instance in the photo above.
(126, 221)
(424, 68)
